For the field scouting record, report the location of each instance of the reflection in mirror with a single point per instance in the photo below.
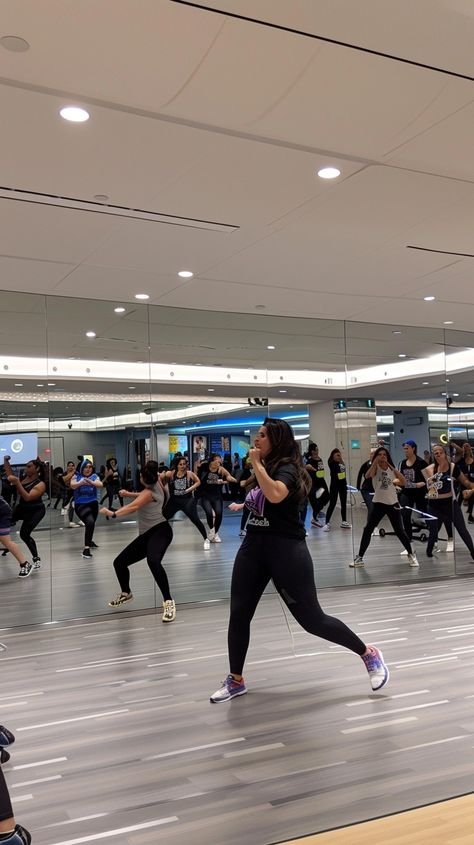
(459, 399)
(307, 387)
(24, 510)
(397, 377)
(209, 402)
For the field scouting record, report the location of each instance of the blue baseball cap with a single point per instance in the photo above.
(410, 443)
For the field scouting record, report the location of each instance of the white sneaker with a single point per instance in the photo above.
(376, 667)
(74, 525)
(404, 552)
(436, 550)
(207, 545)
(211, 534)
(450, 546)
(357, 563)
(376, 532)
(63, 511)
(216, 539)
(346, 525)
(327, 527)
(413, 560)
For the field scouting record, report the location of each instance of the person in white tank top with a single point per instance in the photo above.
(154, 536)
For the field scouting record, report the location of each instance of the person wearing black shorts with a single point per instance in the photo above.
(274, 549)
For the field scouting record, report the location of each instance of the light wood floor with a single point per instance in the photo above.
(447, 823)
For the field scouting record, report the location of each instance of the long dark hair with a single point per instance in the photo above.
(176, 461)
(377, 453)
(331, 456)
(285, 450)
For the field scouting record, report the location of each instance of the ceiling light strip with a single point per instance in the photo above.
(113, 210)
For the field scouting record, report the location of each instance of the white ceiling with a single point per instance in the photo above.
(202, 115)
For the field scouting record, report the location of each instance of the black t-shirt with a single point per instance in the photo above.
(465, 468)
(413, 475)
(317, 477)
(282, 518)
(338, 474)
(364, 483)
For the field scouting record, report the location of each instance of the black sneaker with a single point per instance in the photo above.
(94, 545)
(36, 563)
(25, 570)
(87, 554)
(4, 757)
(5, 552)
(6, 737)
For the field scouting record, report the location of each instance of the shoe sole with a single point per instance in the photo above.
(225, 700)
(169, 620)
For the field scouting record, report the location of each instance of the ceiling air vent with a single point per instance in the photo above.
(113, 210)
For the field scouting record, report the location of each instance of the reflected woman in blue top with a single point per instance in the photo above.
(85, 484)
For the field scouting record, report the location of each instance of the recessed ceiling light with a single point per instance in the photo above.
(14, 43)
(186, 274)
(74, 114)
(397, 331)
(19, 384)
(131, 387)
(455, 394)
(270, 347)
(91, 334)
(260, 307)
(443, 394)
(119, 310)
(40, 385)
(329, 173)
(448, 323)
(210, 390)
(101, 197)
(425, 382)
(429, 298)
(142, 296)
(51, 384)
(402, 355)
(282, 391)
(447, 380)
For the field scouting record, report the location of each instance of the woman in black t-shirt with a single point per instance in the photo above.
(338, 487)
(275, 549)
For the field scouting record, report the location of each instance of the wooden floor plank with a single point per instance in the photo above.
(447, 823)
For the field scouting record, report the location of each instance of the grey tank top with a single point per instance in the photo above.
(152, 514)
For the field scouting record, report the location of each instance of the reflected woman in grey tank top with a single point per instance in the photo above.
(154, 537)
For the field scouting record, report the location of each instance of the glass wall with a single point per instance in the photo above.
(128, 382)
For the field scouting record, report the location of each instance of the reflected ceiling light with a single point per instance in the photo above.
(425, 382)
(74, 114)
(402, 355)
(270, 347)
(119, 310)
(429, 298)
(19, 384)
(329, 173)
(186, 274)
(131, 387)
(142, 296)
(90, 334)
(210, 390)
(51, 384)
(397, 331)
(455, 394)
(40, 385)
(448, 323)
(282, 391)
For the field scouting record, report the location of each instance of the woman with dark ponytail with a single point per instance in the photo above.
(154, 537)
(275, 549)
(30, 508)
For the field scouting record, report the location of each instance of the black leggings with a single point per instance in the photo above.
(112, 490)
(209, 504)
(334, 492)
(287, 562)
(152, 545)
(470, 503)
(394, 513)
(410, 503)
(6, 811)
(88, 513)
(318, 503)
(31, 519)
(447, 512)
(188, 505)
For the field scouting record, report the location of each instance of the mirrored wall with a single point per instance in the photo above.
(119, 384)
